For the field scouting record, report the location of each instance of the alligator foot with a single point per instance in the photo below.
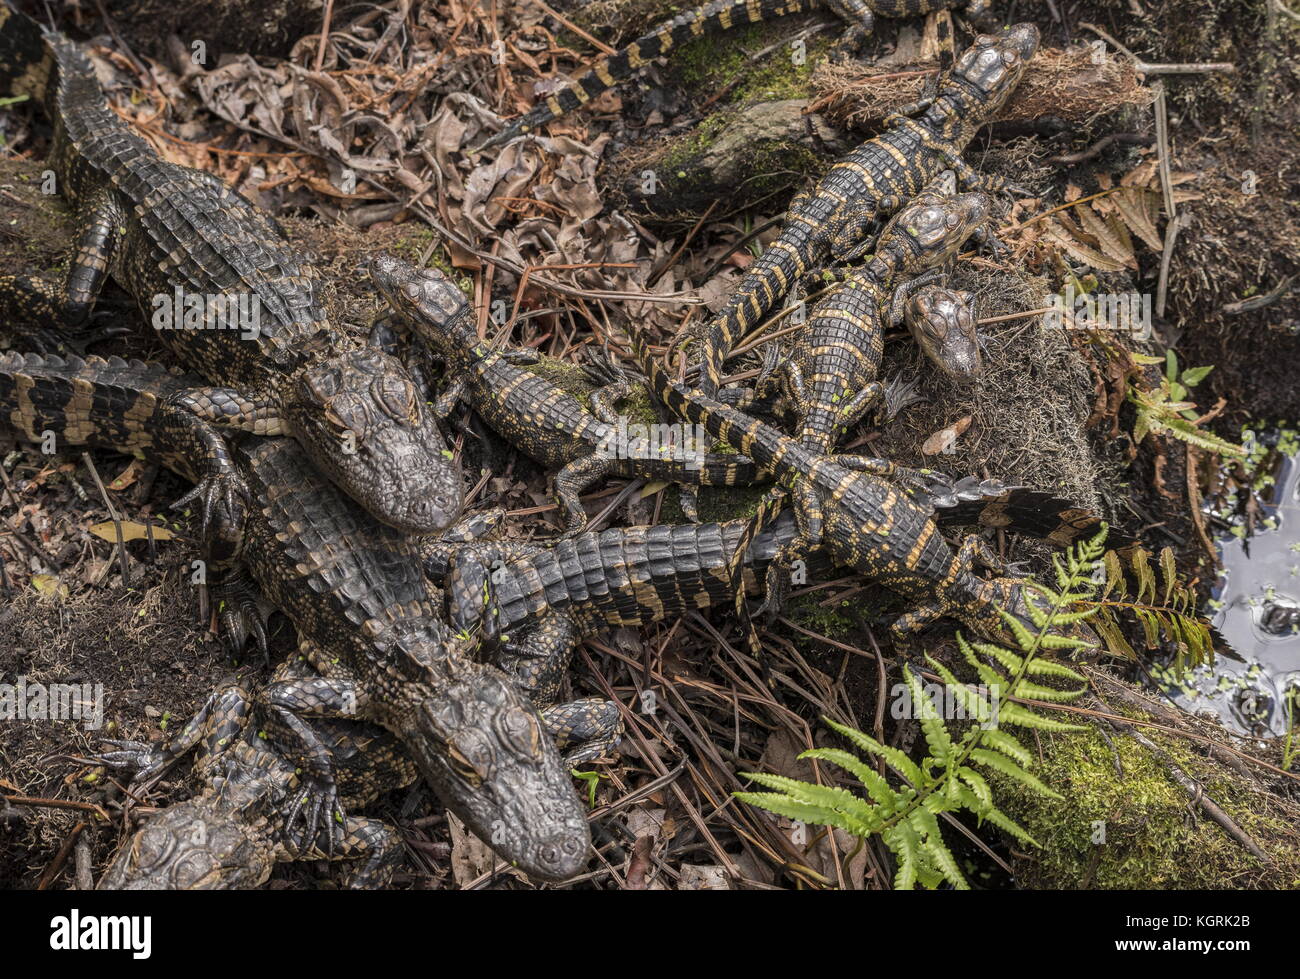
(144, 760)
(244, 613)
(225, 499)
(317, 797)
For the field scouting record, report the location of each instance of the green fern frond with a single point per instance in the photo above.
(948, 777)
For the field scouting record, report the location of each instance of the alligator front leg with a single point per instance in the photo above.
(781, 574)
(213, 729)
(242, 611)
(286, 704)
(973, 179)
(188, 444)
(537, 661)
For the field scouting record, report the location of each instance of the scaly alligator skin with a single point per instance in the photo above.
(830, 375)
(355, 590)
(535, 603)
(854, 507)
(104, 401)
(943, 324)
(532, 413)
(165, 232)
(710, 19)
(233, 832)
(876, 178)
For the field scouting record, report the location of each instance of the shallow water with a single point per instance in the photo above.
(1256, 606)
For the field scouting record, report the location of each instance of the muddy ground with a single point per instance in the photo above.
(1048, 412)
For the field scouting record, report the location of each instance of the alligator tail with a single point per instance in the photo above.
(711, 469)
(1026, 511)
(710, 19)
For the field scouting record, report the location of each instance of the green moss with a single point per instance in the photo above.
(1153, 839)
(833, 622)
(709, 65)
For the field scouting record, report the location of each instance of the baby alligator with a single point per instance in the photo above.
(534, 603)
(854, 507)
(533, 413)
(829, 377)
(356, 593)
(233, 832)
(226, 293)
(714, 18)
(876, 178)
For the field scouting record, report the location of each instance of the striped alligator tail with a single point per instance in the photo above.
(711, 469)
(1026, 511)
(24, 58)
(760, 442)
(713, 18)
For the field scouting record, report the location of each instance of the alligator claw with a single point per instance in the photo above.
(144, 760)
(242, 615)
(225, 500)
(318, 794)
(601, 368)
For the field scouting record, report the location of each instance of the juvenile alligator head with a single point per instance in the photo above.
(992, 67)
(427, 300)
(361, 421)
(934, 227)
(480, 745)
(942, 321)
(193, 846)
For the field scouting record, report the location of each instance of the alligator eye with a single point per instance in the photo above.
(952, 220)
(520, 730)
(412, 289)
(984, 40)
(398, 398)
(347, 419)
(462, 766)
(1010, 57)
(322, 385)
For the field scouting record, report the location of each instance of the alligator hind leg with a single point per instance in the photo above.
(373, 842)
(575, 477)
(975, 552)
(913, 480)
(612, 382)
(59, 318)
